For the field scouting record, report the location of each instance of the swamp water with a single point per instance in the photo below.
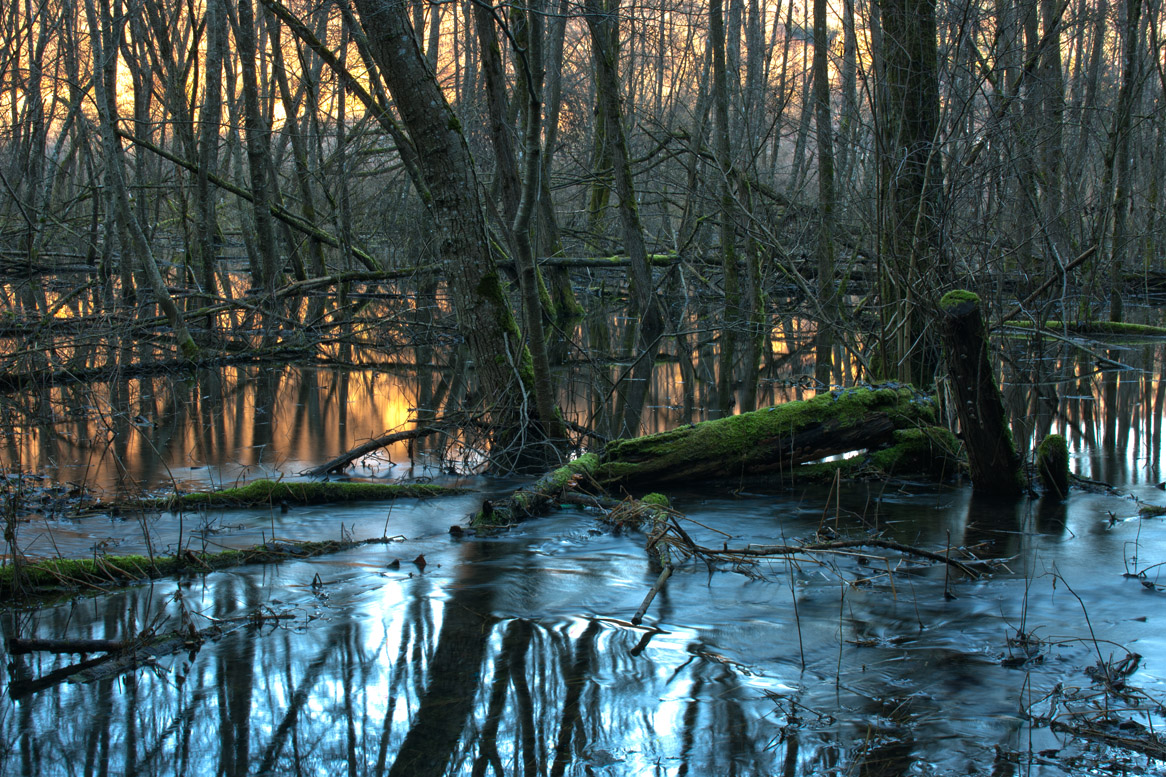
(514, 654)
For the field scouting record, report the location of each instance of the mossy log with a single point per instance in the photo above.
(994, 466)
(264, 493)
(538, 497)
(894, 425)
(772, 440)
(1098, 328)
(48, 577)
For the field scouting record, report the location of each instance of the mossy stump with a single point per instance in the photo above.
(1052, 461)
(994, 466)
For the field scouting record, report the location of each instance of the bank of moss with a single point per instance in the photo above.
(957, 298)
(930, 450)
(263, 493)
(656, 499)
(49, 577)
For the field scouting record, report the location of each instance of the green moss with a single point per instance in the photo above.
(188, 348)
(51, 577)
(1113, 328)
(262, 493)
(538, 496)
(544, 295)
(454, 124)
(931, 450)
(656, 499)
(726, 443)
(490, 288)
(491, 291)
(1052, 458)
(526, 368)
(957, 298)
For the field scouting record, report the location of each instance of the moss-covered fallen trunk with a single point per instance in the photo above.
(264, 493)
(771, 441)
(895, 427)
(1096, 328)
(49, 577)
(539, 496)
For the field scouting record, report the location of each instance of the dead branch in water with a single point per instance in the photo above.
(669, 545)
(343, 460)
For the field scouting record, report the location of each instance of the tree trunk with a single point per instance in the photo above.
(1118, 162)
(258, 150)
(727, 212)
(995, 467)
(529, 76)
(209, 118)
(602, 20)
(484, 315)
(911, 176)
(825, 137)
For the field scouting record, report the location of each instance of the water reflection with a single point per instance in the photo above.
(512, 656)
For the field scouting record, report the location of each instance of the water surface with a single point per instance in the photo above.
(515, 654)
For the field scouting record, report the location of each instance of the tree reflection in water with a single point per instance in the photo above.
(448, 686)
(506, 656)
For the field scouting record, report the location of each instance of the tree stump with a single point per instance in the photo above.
(1052, 459)
(992, 460)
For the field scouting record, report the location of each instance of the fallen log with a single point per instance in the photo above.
(539, 496)
(268, 493)
(893, 425)
(51, 577)
(774, 440)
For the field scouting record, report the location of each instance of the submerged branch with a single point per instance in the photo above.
(770, 551)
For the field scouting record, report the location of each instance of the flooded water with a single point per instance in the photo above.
(515, 654)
